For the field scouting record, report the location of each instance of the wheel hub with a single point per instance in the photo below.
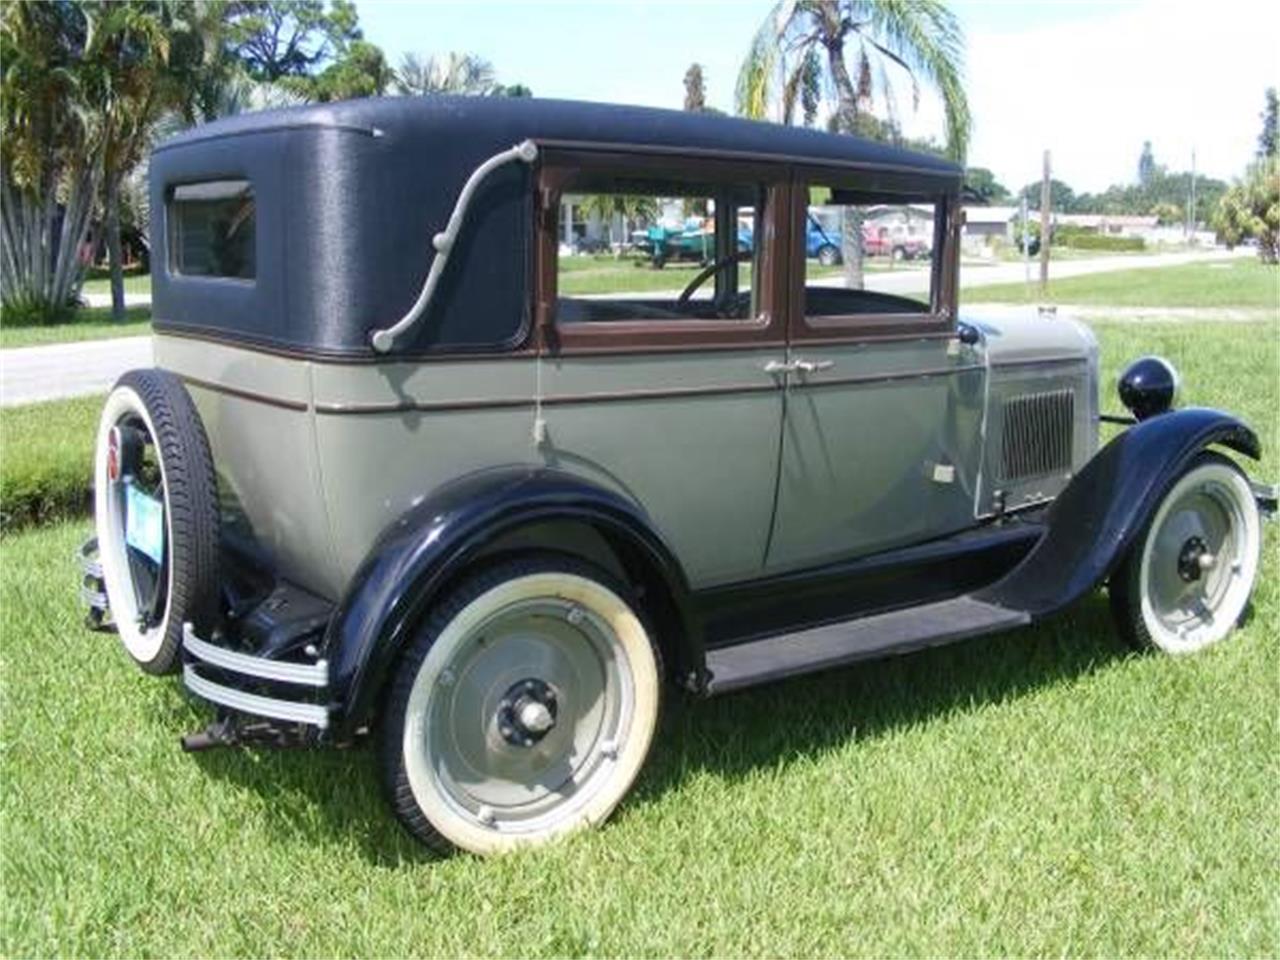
(527, 712)
(1194, 559)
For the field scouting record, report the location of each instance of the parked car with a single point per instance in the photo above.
(695, 240)
(881, 242)
(387, 481)
(821, 244)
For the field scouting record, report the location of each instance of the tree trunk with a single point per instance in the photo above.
(39, 270)
(851, 248)
(114, 253)
(851, 251)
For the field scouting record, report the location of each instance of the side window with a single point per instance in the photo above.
(647, 248)
(868, 254)
(212, 230)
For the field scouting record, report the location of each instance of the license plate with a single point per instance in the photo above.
(144, 523)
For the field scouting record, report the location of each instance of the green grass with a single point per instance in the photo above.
(604, 274)
(90, 323)
(1041, 792)
(134, 283)
(1226, 283)
(46, 460)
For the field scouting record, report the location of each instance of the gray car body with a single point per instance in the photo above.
(750, 451)
(314, 459)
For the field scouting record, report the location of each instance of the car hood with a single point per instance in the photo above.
(1020, 334)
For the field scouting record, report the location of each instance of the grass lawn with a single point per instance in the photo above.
(91, 323)
(46, 459)
(1242, 282)
(135, 283)
(605, 274)
(1041, 792)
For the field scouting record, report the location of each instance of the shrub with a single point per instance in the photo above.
(46, 461)
(1099, 241)
(35, 314)
(104, 273)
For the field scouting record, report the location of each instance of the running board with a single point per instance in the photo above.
(818, 648)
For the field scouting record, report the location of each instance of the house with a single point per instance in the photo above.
(982, 222)
(1110, 224)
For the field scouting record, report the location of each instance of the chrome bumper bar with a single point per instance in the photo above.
(1266, 494)
(314, 675)
(93, 589)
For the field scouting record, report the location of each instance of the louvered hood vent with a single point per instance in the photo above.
(1037, 434)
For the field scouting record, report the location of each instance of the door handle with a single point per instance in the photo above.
(798, 366)
(813, 366)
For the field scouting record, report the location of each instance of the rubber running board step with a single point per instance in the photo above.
(818, 648)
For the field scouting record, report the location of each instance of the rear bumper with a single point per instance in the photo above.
(262, 687)
(1266, 495)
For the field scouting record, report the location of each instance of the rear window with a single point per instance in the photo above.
(212, 230)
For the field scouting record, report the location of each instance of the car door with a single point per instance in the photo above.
(882, 431)
(667, 399)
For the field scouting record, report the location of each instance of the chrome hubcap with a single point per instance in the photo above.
(1194, 560)
(525, 720)
(527, 712)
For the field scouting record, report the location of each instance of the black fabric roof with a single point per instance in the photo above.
(349, 195)
(501, 119)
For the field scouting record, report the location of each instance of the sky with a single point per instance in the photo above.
(1089, 81)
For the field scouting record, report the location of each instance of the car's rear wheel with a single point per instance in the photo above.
(1187, 580)
(828, 256)
(523, 710)
(155, 508)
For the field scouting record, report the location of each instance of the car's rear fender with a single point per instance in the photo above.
(415, 560)
(1106, 505)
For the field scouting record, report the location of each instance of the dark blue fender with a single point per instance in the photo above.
(434, 540)
(1107, 504)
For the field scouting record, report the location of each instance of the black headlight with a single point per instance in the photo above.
(1149, 387)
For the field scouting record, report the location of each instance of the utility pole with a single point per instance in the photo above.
(1191, 204)
(1026, 243)
(1044, 229)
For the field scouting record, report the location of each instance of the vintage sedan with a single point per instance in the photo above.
(398, 474)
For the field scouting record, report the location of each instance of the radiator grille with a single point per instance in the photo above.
(1037, 434)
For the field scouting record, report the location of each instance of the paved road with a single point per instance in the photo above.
(916, 279)
(30, 374)
(130, 299)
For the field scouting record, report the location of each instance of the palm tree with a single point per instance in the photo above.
(48, 180)
(800, 53)
(627, 208)
(142, 60)
(458, 73)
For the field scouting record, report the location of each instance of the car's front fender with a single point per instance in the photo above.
(1103, 509)
(427, 547)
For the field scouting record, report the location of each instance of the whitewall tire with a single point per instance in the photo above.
(1187, 580)
(150, 438)
(524, 709)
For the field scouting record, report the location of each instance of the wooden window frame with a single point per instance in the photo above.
(661, 334)
(938, 321)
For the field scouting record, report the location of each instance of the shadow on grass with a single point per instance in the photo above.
(329, 796)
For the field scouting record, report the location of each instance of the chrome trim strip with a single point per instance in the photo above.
(250, 395)
(664, 393)
(311, 675)
(309, 713)
(923, 373)
(93, 598)
(526, 152)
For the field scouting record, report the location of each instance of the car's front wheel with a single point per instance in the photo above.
(523, 710)
(1186, 581)
(828, 255)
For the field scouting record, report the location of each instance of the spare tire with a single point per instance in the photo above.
(156, 510)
